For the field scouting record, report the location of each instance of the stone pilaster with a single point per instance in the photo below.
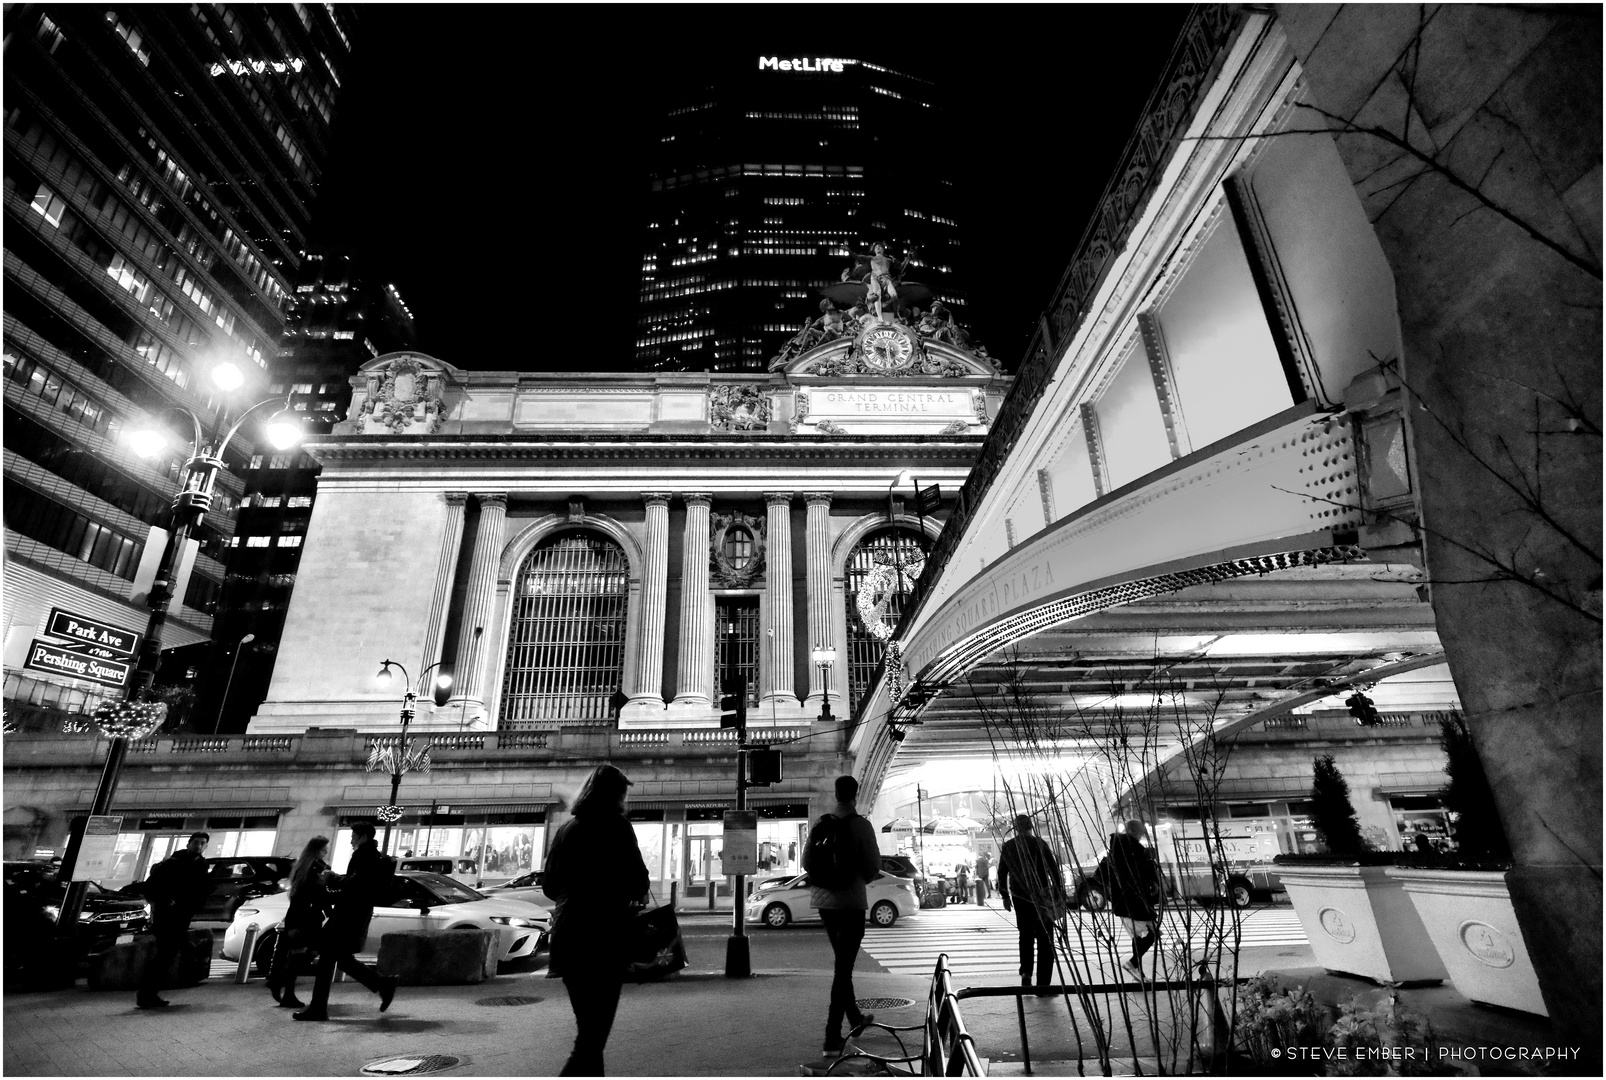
(696, 636)
(647, 696)
(445, 575)
(779, 677)
(479, 601)
(822, 634)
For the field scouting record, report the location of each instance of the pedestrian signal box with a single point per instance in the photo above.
(733, 703)
(764, 766)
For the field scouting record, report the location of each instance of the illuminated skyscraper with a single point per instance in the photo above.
(162, 163)
(769, 179)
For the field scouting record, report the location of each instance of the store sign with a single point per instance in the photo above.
(46, 656)
(97, 852)
(91, 638)
(817, 63)
(741, 842)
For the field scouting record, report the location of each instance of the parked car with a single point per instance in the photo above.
(526, 887)
(902, 866)
(422, 902)
(234, 881)
(33, 897)
(784, 902)
(460, 869)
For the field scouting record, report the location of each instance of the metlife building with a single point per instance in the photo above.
(770, 179)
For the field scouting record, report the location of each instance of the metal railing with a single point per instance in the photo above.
(946, 1048)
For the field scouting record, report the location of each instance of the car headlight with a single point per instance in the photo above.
(54, 911)
(150, 912)
(513, 920)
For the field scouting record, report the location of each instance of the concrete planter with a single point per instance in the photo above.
(1469, 917)
(1360, 922)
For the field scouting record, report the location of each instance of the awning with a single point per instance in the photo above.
(1423, 783)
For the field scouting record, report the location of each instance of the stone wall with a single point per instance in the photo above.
(1473, 136)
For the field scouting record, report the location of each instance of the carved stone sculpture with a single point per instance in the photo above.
(736, 407)
(735, 550)
(404, 398)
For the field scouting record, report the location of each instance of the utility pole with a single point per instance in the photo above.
(738, 957)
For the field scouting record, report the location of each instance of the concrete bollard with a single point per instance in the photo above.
(242, 974)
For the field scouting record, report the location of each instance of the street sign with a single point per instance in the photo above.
(48, 656)
(929, 499)
(741, 842)
(98, 639)
(97, 852)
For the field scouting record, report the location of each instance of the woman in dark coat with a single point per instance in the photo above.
(309, 906)
(1135, 889)
(595, 873)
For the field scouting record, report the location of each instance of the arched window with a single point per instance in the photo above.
(566, 644)
(738, 547)
(903, 550)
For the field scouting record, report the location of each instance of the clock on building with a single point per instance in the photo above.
(887, 348)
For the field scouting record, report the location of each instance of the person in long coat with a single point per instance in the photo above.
(310, 902)
(595, 873)
(367, 882)
(1029, 881)
(1135, 889)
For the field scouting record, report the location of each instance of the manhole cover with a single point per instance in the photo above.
(410, 1065)
(884, 1003)
(512, 999)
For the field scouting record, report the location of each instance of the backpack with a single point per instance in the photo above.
(830, 857)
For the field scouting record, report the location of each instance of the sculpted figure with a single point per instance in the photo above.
(880, 276)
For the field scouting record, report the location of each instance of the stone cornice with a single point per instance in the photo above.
(857, 449)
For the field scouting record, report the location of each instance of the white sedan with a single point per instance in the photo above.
(422, 902)
(526, 887)
(778, 903)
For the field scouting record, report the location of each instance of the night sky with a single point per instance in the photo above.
(491, 161)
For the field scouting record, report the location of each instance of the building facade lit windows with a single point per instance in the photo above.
(731, 197)
(147, 237)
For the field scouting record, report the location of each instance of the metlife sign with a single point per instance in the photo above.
(807, 63)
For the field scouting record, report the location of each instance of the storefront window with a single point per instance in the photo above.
(650, 838)
(1424, 816)
(500, 851)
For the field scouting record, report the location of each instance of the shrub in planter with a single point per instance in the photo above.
(1478, 832)
(1385, 1040)
(1332, 813)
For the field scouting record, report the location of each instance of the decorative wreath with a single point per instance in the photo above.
(129, 719)
(880, 585)
(390, 814)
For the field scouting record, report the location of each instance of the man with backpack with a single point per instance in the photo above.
(176, 889)
(841, 858)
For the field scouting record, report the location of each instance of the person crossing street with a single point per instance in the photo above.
(842, 857)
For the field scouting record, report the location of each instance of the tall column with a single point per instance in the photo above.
(780, 687)
(817, 550)
(445, 575)
(696, 641)
(478, 603)
(648, 695)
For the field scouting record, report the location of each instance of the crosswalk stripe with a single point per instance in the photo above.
(981, 941)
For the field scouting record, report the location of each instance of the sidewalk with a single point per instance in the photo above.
(696, 1024)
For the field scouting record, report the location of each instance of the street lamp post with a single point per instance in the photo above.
(133, 717)
(902, 478)
(825, 657)
(238, 649)
(400, 758)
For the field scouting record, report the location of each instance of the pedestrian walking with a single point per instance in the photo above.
(984, 867)
(841, 858)
(595, 873)
(1029, 881)
(369, 878)
(176, 889)
(963, 892)
(1135, 889)
(310, 901)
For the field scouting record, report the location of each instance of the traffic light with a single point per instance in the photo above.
(1361, 707)
(764, 766)
(733, 704)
